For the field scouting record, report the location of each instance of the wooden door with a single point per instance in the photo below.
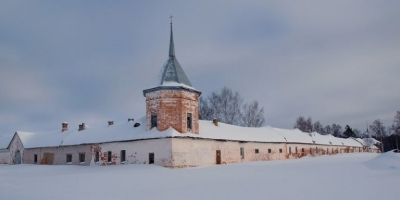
(218, 157)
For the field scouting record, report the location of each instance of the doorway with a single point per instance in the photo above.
(17, 157)
(218, 157)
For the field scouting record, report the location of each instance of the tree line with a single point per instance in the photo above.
(229, 107)
(387, 135)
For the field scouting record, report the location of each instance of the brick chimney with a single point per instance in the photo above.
(64, 126)
(110, 123)
(81, 127)
(215, 121)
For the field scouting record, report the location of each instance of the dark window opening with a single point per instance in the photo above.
(296, 150)
(109, 156)
(123, 155)
(69, 158)
(153, 121)
(290, 150)
(316, 149)
(257, 151)
(269, 150)
(97, 157)
(151, 158)
(302, 150)
(242, 152)
(81, 157)
(35, 158)
(189, 121)
(280, 150)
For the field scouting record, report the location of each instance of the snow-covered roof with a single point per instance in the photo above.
(368, 142)
(127, 132)
(5, 141)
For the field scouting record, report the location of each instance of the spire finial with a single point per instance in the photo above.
(171, 42)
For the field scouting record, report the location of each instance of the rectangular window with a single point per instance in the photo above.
(151, 158)
(109, 156)
(269, 150)
(316, 149)
(123, 155)
(97, 157)
(290, 150)
(242, 152)
(280, 150)
(35, 158)
(69, 158)
(189, 121)
(302, 150)
(296, 150)
(82, 157)
(153, 121)
(257, 151)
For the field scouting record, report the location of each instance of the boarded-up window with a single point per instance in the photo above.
(189, 121)
(69, 158)
(82, 157)
(109, 155)
(242, 152)
(35, 158)
(123, 155)
(269, 150)
(257, 151)
(97, 156)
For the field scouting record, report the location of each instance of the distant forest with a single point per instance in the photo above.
(388, 135)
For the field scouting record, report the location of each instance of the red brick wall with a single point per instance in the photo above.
(171, 108)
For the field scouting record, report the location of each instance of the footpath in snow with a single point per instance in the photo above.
(346, 176)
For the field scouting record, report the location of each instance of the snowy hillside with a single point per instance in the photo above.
(346, 176)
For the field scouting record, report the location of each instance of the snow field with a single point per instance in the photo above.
(345, 176)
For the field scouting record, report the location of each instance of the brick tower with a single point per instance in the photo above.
(172, 101)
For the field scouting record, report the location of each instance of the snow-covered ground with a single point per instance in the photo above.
(346, 176)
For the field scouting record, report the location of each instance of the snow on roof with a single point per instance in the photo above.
(368, 142)
(5, 141)
(231, 132)
(127, 132)
(294, 135)
(322, 139)
(31, 140)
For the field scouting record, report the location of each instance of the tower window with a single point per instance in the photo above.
(189, 121)
(153, 121)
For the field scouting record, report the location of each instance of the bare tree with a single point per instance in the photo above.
(336, 130)
(328, 130)
(357, 132)
(205, 111)
(318, 128)
(396, 128)
(252, 115)
(309, 125)
(301, 124)
(379, 131)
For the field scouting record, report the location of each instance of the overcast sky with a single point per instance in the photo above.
(89, 61)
